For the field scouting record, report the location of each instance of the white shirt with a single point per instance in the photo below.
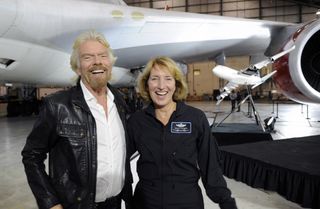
(111, 146)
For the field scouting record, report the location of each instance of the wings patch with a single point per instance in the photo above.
(181, 127)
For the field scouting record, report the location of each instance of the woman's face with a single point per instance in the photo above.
(161, 86)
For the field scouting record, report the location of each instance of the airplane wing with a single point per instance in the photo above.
(263, 79)
(36, 37)
(226, 91)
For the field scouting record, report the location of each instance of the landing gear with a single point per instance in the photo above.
(251, 103)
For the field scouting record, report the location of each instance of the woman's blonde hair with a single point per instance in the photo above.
(86, 36)
(163, 63)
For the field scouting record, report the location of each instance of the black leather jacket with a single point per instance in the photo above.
(66, 130)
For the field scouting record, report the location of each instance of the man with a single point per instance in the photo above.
(83, 130)
(233, 97)
(239, 100)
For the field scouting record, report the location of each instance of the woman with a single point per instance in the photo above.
(175, 145)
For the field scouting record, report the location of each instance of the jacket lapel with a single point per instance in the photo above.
(77, 98)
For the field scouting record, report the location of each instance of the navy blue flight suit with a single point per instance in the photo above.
(173, 158)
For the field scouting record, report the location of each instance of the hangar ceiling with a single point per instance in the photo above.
(295, 11)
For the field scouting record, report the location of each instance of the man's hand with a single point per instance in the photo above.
(57, 207)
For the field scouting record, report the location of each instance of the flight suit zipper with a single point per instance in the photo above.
(163, 136)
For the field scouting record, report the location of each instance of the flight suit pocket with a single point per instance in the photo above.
(189, 147)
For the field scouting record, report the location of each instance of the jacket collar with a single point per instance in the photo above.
(78, 96)
(78, 99)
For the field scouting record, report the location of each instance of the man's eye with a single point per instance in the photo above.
(87, 57)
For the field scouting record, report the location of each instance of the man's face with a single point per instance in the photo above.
(95, 65)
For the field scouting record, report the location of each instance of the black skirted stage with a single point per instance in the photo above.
(290, 167)
(239, 133)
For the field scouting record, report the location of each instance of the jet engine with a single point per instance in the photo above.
(298, 73)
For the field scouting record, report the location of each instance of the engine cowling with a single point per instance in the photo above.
(298, 73)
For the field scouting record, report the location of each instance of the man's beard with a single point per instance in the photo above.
(97, 82)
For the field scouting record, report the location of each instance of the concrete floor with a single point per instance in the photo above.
(291, 122)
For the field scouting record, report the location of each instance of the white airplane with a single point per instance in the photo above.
(36, 38)
(249, 77)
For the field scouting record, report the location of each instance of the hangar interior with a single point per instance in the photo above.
(201, 83)
(200, 79)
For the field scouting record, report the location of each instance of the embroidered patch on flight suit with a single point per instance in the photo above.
(181, 127)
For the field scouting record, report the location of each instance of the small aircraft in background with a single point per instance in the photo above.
(250, 77)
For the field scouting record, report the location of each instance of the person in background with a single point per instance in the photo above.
(175, 144)
(239, 99)
(83, 130)
(233, 98)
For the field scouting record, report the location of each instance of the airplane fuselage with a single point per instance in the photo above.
(235, 76)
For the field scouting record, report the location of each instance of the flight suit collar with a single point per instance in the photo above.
(179, 109)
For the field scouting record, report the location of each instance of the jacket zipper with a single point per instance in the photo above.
(90, 143)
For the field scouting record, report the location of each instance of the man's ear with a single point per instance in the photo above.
(78, 72)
